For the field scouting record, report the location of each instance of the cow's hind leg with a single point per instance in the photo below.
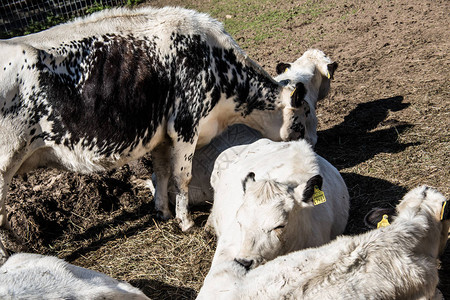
(162, 169)
(182, 155)
(173, 160)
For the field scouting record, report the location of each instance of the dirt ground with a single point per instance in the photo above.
(385, 126)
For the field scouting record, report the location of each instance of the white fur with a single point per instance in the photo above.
(394, 262)
(244, 222)
(34, 276)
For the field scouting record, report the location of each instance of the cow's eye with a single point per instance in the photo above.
(279, 227)
(279, 231)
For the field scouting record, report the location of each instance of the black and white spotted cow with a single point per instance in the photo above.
(100, 91)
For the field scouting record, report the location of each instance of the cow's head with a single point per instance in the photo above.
(425, 207)
(295, 112)
(287, 121)
(268, 218)
(314, 69)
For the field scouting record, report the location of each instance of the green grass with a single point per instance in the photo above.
(259, 20)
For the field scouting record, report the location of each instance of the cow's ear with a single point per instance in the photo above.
(298, 95)
(282, 67)
(313, 185)
(331, 69)
(375, 215)
(250, 176)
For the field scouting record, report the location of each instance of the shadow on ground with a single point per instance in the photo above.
(367, 193)
(356, 139)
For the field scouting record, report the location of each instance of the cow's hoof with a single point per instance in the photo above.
(163, 216)
(187, 225)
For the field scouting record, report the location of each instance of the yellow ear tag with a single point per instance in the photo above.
(443, 209)
(292, 93)
(384, 222)
(286, 70)
(328, 75)
(318, 196)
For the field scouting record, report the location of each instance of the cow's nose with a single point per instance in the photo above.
(246, 263)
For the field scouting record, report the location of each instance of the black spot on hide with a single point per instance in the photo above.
(123, 97)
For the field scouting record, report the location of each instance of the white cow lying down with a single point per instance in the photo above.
(394, 262)
(270, 212)
(34, 276)
(314, 69)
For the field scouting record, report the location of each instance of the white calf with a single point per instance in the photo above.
(394, 262)
(34, 276)
(273, 213)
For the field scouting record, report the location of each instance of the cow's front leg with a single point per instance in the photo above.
(182, 155)
(3, 221)
(161, 156)
(3, 191)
